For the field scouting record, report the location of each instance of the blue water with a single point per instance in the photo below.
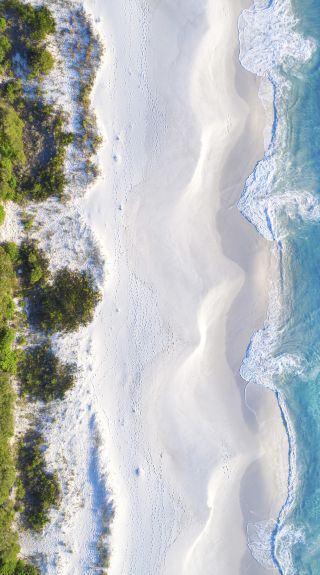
(287, 355)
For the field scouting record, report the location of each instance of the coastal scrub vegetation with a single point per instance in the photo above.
(33, 263)
(33, 302)
(26, 28)
(67, 303)
(9, 547)
(39, 489)
(43, 376)
(33, 142)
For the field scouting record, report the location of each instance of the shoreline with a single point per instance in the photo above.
(167, 401)
(258, 260)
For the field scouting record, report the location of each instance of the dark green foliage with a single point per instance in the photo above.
(12, 90)
(7, 286)
(13, 251)
(5, 47)
(43, 376)
(29, 129)
(2, 214)
(42, 24)
(30, 26)
(11, 149)
(33, 147)
(3, 24)
(7, 471)
(68, 303)
(6, 407)
(41, 488)
(9, 547)
(8, 539)
(41, 62)
(50, 179)
(11, 132)
(34, 264)
(22, 568)
(39, 21)
(8, 357)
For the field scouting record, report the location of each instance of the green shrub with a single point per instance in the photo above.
(42, 24)
(13, 90)
(38, 19)
(28, 223)
(8, 181)
(3, 24)
(43, 375)
(6, 407)
(7, 286)
(35, 264)
(41, 62)
(11, 134)
(41, 488)
(11, 148)
(9, 547)
(5, 47)
(68, 303)
(22, 568)
(2, 214)
(13, 251)
(8, 357)
(7, 471)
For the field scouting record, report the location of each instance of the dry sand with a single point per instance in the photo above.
(190, 464)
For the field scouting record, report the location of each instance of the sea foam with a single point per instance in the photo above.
(270, 45)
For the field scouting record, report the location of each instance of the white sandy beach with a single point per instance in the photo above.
(189, 463)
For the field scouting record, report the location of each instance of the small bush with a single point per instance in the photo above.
(3, 24)
(5, 47)
(22, 568)
(7, 286)
(35, 264)
(41, 62)
(39, 20)
(13, 90)
(8, 357)
(42, 24)
(13, 251)
(68, 303)
(41, 488)
(43, 375)
(11, 149)
(6, 407)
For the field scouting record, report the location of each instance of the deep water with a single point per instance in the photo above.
(282, 199)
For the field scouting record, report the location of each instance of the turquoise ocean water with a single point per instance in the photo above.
(280, 42)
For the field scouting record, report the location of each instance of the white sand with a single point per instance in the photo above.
(189, 463)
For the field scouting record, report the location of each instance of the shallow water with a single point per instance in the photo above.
(280, 41)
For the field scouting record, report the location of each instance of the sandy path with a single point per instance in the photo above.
(178, 308)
